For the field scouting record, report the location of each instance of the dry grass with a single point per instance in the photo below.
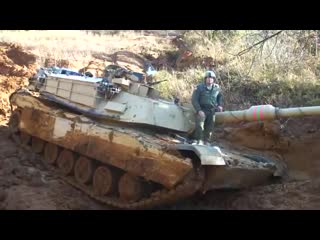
(283, 73)
(76, 45)
(179, 84)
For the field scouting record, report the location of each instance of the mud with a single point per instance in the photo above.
(25, 183)
(297, 195)
(296, 140)
(16, 66)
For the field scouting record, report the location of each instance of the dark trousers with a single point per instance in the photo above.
(204, 126)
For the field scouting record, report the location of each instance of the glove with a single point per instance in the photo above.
(201, 114)
(220, 109)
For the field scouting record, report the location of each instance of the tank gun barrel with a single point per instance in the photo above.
(265, 112)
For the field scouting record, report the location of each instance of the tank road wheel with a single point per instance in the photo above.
(65, 162)
(130, 188)
(25, 138)
(37, 144)
(51, 152)
(103, 181)
(83, 170)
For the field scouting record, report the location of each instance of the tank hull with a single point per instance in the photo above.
(166, 171)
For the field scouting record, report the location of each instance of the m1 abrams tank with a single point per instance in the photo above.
(117, 141)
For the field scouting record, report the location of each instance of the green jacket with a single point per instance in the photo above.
(202, 98)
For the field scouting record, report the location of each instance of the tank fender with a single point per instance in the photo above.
(208, 155)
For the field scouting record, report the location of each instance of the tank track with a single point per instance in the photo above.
(191, 184)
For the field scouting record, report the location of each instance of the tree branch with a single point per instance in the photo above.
(262, 41)
(273, 47)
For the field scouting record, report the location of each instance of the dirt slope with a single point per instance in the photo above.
(16, 66)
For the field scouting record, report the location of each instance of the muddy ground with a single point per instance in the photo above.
(25, 183)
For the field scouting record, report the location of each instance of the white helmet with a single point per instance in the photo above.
(210, 74)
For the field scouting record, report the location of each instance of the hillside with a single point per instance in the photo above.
(282, 71)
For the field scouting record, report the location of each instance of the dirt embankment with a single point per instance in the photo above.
(297, 140)
(16, 67)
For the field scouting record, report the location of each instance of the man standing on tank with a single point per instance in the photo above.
(206, 99)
